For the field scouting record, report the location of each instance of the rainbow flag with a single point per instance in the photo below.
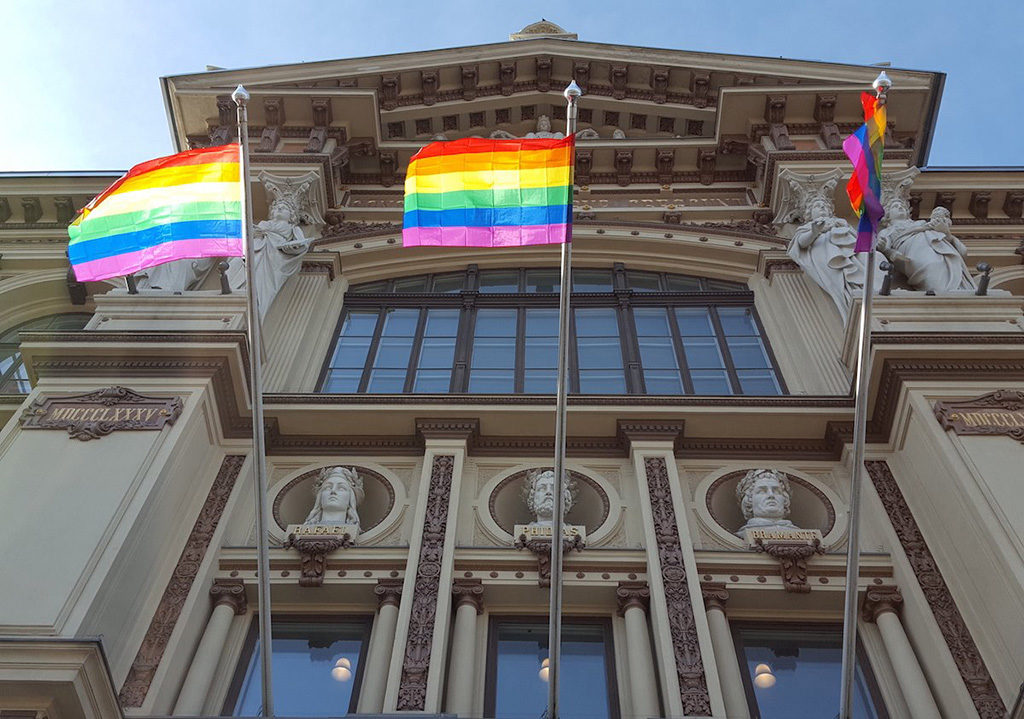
(864, 148)
(489, 193)
(172, 208)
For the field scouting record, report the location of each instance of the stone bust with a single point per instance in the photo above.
(338, 491)
(539, 495)
(764, 499)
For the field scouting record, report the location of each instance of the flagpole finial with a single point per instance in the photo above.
(572, 91)
(882, 84)
(241, 95)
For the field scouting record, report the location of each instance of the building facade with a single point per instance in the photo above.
(409, 406)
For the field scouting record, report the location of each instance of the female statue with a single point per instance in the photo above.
(338, 490)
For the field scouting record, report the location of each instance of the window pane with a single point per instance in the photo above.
(598, 348)
(747, 352)
(591, 281)
(389, 381)
(737, 321)
(682, 283)
(643, 281)
(651, 322)
(726, 286)
(432, 380)
(411, 284)
(492, 381)
(521, 692)
(801, 670)
(702, 352)
(343, 380)
(543, 280)
(496, 323)
(602, 382)
(694, 321)
(758, 382)
(437, 352)
(540, 381)
(499, 281)
(493, 362)
(369, 287)
(315, 669)
(710, 382)
(663, 382)
(449, 283)
(351, 352)
(541, 350)
(359, 324)
(393, 352)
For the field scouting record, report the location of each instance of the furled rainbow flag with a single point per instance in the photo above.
(489, 193)
(864, 148)
(172, 208)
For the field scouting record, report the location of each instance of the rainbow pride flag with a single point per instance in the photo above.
(172, 208)
(864, 148)
(489, 193)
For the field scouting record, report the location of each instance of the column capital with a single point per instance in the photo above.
(230, 592)
(388, 591)
(469, 591)
(632, 594)
(649, 430)
(715, 595)
(881, 599)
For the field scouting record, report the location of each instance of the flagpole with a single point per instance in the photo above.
(860, 422)
(572, 94)
(259, 451)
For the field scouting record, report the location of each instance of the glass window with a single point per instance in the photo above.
(517, 674)
(793, 672)
(317, 669)
(13, 375)
(680, 341)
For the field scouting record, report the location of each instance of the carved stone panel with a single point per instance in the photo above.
(693, 686)
(996, 413)
(951, 623)
(412, 691)
(97, 414)
(143, 669)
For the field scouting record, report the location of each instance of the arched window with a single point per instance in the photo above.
(496, 332)
(13, 377)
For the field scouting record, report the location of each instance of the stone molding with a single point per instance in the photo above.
(230, 592)
(632, 594)
(933, 585)
(715, 595)
(412, 690)
(389, 591)
(693, 686)
(469, 591)
(147, 660)
(880, 599)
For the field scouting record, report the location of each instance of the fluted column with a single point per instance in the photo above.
(228, 597)
(382, 641)
(469, 596)
(715, 598)
(881, 606)
(634, 598)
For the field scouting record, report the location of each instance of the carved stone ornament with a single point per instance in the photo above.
(693, 686)
(715, 595)
(469, 591)
(97, 414)
(313, 552)
(230, 592)
(179, 584)
(792, 557)
(389, 591)
(632, 594)
(412, 690)
(878, 600)
(542, 548)
(947, 615)
(996, 413)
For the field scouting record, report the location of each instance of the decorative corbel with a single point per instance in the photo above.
(792, 558)
(618, 76)
(313, 552)
(507, 77)
(388, 165)
(273, 110)
(659, 84)
(706, 160)
(825, 116)
(978, 206)
(584, 164)
(5, 209)
(700, 87)
(775, 116)
(544, 65)
(665, 161)
(470, 76)
(945, 199)
(390, 86)
(430, 80)
(581, 73)
(323, 115)
(65, 209)
(225, 131)
(1013, 205)
(623, 167)
(32, 209)
(542, 549)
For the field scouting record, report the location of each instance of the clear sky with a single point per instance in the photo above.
(81, 91)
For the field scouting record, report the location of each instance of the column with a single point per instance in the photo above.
(643, 681)
(881, 604)
(469, 595)
(228, 597)
(382, 641)
(715, 598)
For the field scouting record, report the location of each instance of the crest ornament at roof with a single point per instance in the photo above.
(543, 28)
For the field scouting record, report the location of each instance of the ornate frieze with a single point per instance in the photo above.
(143, 669)
(412, 691)
(693, 687)
(951, 623)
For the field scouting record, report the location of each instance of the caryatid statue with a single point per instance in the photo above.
(764, 499)
(338, 491)
(824, 244)
(539, 495)
(926, 251)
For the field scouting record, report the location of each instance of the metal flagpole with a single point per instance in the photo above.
(241, 98)
(572, 94)
(881, 85)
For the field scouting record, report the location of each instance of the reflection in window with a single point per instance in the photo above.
(495, 331)
(317, 669)
(13, 375)
(516, 677)
(794, 672)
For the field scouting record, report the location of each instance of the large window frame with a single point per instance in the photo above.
(620, 298)
(491, 668)
(11, 361)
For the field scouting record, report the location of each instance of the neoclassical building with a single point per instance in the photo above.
(410, 411)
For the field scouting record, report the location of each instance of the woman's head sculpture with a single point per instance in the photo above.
(338, 492)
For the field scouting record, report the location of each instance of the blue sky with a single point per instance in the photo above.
(81, 88)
